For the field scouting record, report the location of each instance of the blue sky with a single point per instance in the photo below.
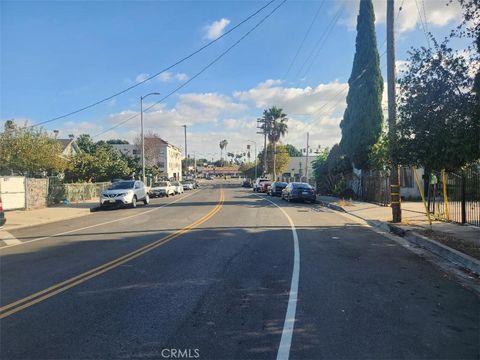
(57, 56)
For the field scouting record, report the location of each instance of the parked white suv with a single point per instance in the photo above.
(178, 187)
(124, 192)
(162, 188)
(256, 184)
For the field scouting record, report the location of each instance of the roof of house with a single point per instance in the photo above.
(65, 142)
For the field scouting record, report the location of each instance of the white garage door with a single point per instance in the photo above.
(12, 189)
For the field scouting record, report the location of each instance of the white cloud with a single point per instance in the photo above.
(168, 76)
(295, 100)
(216, 29)
(141, 77)
(212, 117)
(165, 76)
(437, 12)
(181, 77)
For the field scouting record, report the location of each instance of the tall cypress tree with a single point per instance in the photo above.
(362, 122)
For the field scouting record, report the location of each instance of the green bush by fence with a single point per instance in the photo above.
(58, 191)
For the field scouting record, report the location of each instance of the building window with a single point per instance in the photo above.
(135, 152)
(406, 177)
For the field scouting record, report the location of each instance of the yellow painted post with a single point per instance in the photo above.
(445, 196)
(422, 195)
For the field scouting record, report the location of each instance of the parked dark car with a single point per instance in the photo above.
(2, 214)
(276, 188)
(247, 183)
(299, 191)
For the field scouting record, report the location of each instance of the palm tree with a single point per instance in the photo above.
(276, 127)
(223, 145)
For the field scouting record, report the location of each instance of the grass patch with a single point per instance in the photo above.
(344, 202)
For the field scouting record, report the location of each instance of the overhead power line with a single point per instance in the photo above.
(323, 36)
(198, 73)
(332, 26)
(156, 74)
(304, 38)
(423, 23)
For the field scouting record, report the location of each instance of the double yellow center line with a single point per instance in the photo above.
(37, 297)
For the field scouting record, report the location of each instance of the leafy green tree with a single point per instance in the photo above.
(379, 156)
(30, 151)
(248, 169)
(319, 165)
(86, 144)
(293, 151)
(103, 165)
(438, 127)
(278, 158)
(363, 118)
(330, 169)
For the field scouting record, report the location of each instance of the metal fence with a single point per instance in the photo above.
(463, 193)
(375, 188)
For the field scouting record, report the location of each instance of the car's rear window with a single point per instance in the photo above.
(161, 183)
(302, 186)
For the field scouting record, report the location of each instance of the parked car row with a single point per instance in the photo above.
(130, 192)
(295, 191)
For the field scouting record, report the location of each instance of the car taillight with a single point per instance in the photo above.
(1, 206)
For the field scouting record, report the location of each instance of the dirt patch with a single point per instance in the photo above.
(451, 241)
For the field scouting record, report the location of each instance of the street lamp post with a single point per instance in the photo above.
(254, 143)
(186, 150)
(142, 135)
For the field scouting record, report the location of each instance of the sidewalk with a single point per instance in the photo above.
(17, 219)
(451, 238)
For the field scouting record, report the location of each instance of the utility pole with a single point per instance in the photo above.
(195, 163)
(306, 161)
(185, 170)
(142, 133)
(255, 143)
(392, 115)
(263, 124)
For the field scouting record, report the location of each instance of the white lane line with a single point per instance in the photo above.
(287, 333)
(95, 225)
(8, 238)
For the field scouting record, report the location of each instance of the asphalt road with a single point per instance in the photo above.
(209, 275)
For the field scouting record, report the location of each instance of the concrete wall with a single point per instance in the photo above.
(36, 193)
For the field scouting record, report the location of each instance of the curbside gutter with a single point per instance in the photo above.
(454, 256)
(331, 206)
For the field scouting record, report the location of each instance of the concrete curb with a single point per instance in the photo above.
(331, 206)
(454, 256)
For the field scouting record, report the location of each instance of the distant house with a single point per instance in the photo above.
(296, 168)
(69, 148)
(159, 153)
